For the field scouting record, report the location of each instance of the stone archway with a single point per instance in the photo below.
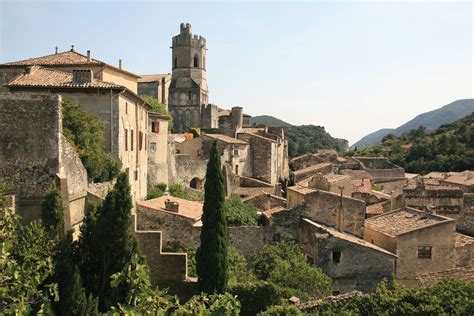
(196, 183)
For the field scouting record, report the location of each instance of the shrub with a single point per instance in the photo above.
(178, 190)
(265, 261)
(158, 107)
(238, 213)
(283, 310)
(156, 191)
(255, 296)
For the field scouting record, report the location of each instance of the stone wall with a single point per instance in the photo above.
(358, 267)
(443, 201)
(263, 152)
(30, 147)
(265, 201)
(183, 169)
(465, 222)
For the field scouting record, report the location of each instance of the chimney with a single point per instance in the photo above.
(120, 64)
(340, 213)
(171, 206)
(89, 57)
(56, 51)
(28, 70)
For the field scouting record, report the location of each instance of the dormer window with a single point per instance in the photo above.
(82, 75)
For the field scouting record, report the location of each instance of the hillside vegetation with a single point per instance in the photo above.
(430, 120)
(448, 148)
(304, 138)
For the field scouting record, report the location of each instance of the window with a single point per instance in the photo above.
(196, 61)
(190, 95)
(131, 139)
(126, 139)
(136, 175)
(199, 152)
(175, 62)
(155, 127)
(236, 152)
(152, 146)
(140, 140)
(126, 107)
(237, 170)
(424, 252)
(336, 256)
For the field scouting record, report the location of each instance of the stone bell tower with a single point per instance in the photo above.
(188, 88)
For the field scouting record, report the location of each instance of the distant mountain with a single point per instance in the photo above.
(431, 120)
(269, 121)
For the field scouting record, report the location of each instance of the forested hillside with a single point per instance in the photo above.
(448, 148)
(309, 138)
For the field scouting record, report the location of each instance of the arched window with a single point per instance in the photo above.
(196, 61)
(175, 62)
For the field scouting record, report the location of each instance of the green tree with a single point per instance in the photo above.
(107, 244)
(238, 213)
(158, 107)
(87, 134)
(52, 213)
(211, 257)
(72, 296)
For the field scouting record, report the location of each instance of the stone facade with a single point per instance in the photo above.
(352, 263)
(157, 144)
(156, 86)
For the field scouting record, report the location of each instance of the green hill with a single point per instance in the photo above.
(268, 121)
(430, 120)
(448, 148)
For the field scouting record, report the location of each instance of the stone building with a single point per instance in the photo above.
(35, 158)
(188, 93)
(352, 263)
(156, 86)
(158, 155)
(380, 169)
(109, 93)
(462, 180)
(423, 242)
(335, 183)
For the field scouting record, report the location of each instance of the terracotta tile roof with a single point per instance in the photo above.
(403, 221)
(188, 209)
(375, 209)
(315, 167)
(50, 78)
(247, 191)
(268, 213)
(301, 189)
(465, 178)
(64, 58)
(152, 78)
(462, 273)
(349, 238)
(336, 177)
(226, 139)
(461, 240)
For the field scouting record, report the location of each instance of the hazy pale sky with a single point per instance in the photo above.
(352, 67)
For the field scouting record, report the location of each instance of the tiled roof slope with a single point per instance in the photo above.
(226, 139)
(462, 273)
(44, 77)
(152, 78)
(403, 221)
(64, 58)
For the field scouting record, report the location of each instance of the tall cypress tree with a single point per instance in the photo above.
(211, 256)
(107, 244)
(52, 213)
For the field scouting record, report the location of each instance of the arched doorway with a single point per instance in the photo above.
(196, 183)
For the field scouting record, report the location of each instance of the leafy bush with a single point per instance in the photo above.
(282, 310)
(238, 213)
(266, 260)
(158, 107)
(86, 133)
(156, 191)
(179, 191)
(255, 296)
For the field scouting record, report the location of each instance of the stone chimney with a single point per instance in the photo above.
(56, 51)
(120, 64)
(89, 56)
(171, 206)
(82, 75)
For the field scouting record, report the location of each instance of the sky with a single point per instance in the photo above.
(353, 67)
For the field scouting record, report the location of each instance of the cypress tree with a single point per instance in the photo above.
(52, 213)
(211, 256)
(107, 244)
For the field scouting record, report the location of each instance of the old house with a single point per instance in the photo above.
(352, 263)
(107, 92)
(158, 154)
(422, 241)
(324, 168)
(335, 183)
(462, 180)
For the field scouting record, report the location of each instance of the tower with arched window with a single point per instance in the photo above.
(188, 88)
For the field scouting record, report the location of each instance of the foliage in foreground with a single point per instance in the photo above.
(448, 148)
(86, 133)
(211, 256)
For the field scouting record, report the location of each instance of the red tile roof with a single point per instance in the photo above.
(45, 77)
(462, 273)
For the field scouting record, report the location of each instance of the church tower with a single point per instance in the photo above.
(188, 88)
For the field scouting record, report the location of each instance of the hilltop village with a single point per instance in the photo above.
(359, 219)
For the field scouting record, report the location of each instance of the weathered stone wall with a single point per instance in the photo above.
(265, 201)
(443, 201)
(263, 153)
(465, 222)
(359, 267)
(183, 169)
(29, 147)
(157, 152)
(305, 161)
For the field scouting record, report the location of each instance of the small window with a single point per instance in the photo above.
(155, 127)
(196, 61)
(126, 139)
(336, 256)
(175, 62)
(152, 146)
(236, 152)
(126, 107)
(199, 152)
(131, 139)
(237, 170)
(140, 140)
(190, 95)
(424, 252)
(136, 175)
